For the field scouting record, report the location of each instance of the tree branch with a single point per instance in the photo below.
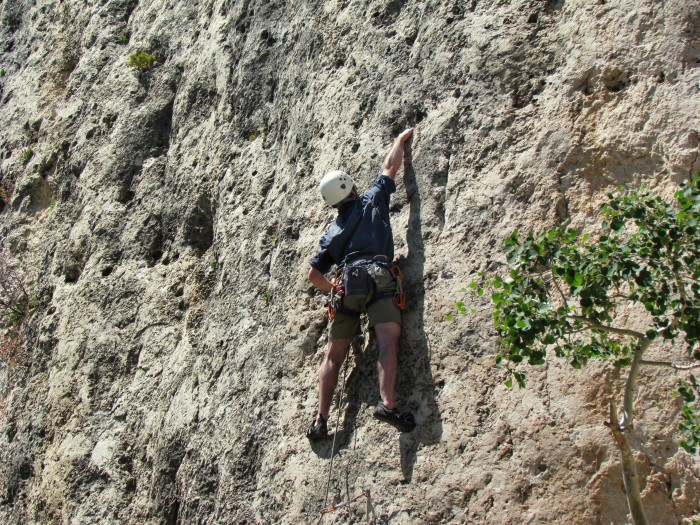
(596, 326)
(628, 409)
(681, 291)
(620, 296)
(546, 288)
(671, 365)
(556, 285)
(574, 332)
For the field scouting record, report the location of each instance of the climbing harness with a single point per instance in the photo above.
(398, 296)
(353, 279)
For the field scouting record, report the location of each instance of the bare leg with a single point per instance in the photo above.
(328, 375)
(388, 340)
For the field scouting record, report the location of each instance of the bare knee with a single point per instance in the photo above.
(332, 363)
(388, 336)
(337, 351)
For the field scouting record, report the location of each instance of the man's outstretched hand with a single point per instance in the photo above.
(405, 135)
(393, 160)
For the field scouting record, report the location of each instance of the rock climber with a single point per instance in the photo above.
(360, 243)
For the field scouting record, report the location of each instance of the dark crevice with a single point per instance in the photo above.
(198, 224)
(172, 513)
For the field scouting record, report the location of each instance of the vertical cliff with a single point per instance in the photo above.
(164, 219)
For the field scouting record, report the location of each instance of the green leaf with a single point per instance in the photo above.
(688, 448)
(689, 391)
(619, 363)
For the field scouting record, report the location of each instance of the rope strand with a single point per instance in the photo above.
(365, 492)
(335, 434)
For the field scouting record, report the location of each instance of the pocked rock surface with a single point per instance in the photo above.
(166, 218)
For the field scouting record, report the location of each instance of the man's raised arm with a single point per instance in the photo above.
(393, 160)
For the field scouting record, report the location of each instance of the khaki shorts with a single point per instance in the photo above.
(345, 326)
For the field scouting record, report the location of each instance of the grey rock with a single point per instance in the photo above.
(167, 217)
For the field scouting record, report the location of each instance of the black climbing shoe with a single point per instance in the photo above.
(401, 422)
(318, 432)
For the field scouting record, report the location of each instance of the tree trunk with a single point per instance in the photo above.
(629, 468)
(629, 471)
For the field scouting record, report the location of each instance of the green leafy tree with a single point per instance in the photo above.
(564, 294)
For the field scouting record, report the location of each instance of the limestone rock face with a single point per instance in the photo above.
(166, 217)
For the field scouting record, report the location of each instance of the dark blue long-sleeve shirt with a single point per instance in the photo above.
(361, 231)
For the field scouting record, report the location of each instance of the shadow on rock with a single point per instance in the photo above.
(416, 387)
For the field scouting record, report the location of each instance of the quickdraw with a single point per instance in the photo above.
(399, 296)
(332, 301)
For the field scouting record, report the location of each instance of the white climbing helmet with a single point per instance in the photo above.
(335, 186)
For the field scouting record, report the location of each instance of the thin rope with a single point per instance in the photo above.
(345, 504)
(335, 433)
(371, 516)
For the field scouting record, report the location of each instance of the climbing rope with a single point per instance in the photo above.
(335, 433)
(365, 492)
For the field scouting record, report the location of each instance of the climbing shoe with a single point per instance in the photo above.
(318, 431)
(401, 422)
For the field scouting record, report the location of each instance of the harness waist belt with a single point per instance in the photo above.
(381, 260)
